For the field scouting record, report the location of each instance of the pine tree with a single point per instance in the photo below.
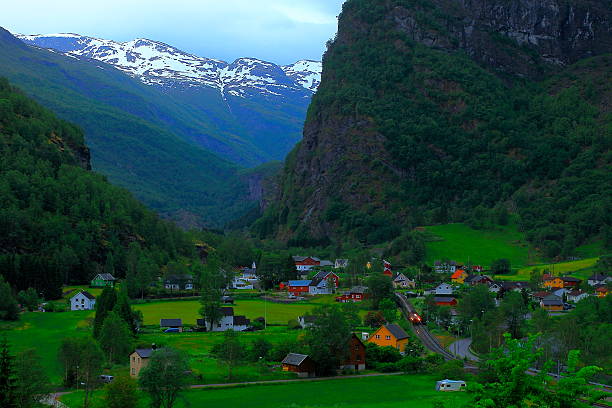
(7, 377)
(124, 310)
(115, 338)
(106, 302)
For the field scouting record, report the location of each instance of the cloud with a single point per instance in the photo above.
(301, 14)
(281, 31)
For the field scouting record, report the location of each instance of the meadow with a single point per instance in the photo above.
(463, 244)
(44, 333)
(188, 310)
(405, 391)
(582, 269)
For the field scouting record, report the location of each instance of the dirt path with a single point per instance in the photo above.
(291, 381)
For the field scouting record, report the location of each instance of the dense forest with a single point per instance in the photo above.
(59, 222)
(401, 131)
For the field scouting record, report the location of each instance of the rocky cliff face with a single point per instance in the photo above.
(411, 115)
(515, 37)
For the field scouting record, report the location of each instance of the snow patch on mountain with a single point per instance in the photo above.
(156, 63)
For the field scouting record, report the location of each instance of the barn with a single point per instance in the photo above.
(301, 364)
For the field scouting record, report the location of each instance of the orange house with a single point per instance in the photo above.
(459, 276)
(390, 335)
(602, 291)
(558, 282)
(553, 282)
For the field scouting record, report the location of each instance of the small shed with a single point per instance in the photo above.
(450, 385)
(171, 324)
(301, 364)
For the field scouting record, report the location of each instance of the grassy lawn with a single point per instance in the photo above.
(406, 391)
(44, 332)
(461, 243)
(580, 269)
(188, 310)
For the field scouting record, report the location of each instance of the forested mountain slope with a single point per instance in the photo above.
(132, 131)
(439, 111)
(60, 222)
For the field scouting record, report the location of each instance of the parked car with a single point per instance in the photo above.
(106, 378)
(172, 330)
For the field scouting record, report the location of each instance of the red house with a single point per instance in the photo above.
(298, 287)
(445, 301)
(357, 294)
(570, 282)
(387, 269)
(356, 359)
(306, 263)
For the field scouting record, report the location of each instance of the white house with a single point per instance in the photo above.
(495, 287)
(401, 281)
(445, 267)
(323, 283)
(320, 287)
(576, 296)
(444, 289)
(598, 279)
(341, 263)
(227, 322)
(82, 301)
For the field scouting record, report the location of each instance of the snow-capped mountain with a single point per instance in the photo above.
(161, 64)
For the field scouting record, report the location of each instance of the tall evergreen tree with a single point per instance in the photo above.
(115, 338)
(7, 377)
(211, 290)
(106, 302)
(126, 313)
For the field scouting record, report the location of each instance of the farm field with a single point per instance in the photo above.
(44, 332)
(188, 310)
(461, 243)
(582, 269)
(405, 391)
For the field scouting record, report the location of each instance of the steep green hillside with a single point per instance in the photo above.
(421, 120)
(133, 132)
(59, 222)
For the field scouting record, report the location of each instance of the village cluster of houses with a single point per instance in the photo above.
(558, 289)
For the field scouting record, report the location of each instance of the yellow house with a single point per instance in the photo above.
(553, 282)
(139, 359)
(459, 276)
(390, 335)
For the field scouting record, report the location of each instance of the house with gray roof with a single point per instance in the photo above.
(301, 364)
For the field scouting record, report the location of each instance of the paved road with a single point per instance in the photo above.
(344, 377)
(461, 348)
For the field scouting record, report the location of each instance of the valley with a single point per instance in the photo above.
(420, 218)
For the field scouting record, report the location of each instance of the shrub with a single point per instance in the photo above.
(293, 324)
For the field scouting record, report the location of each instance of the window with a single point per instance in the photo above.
(388, 337)
(133, 371)
(378, 336)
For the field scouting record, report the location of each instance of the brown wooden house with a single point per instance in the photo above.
(301, 364)
(357, 352)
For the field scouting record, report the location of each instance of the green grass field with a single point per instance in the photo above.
(461, 243)
(44, 332)
(188, 310)
(405, 391)
(580, 269)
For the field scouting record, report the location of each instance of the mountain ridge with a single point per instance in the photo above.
(155, 62)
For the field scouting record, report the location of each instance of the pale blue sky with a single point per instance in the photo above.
(281, 31)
